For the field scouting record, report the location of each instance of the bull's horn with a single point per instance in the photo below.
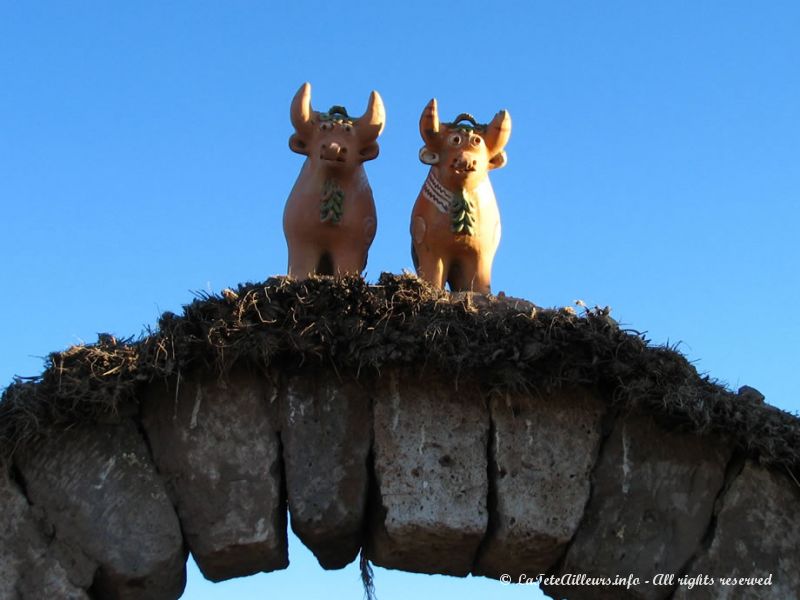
(429, 125)
(301, 109)
(498, 132)
(370, 124)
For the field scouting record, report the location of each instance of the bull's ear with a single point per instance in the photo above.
(370, 152)
(428, 156)
(296, 144)
(498, 161)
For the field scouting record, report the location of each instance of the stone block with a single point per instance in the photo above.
(216, 445)
(757, 536)
(115, 528)
(327, 435)
(652, 500)
(543, 449)
(430, 459)
(28, 570)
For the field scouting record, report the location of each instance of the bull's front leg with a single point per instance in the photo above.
(431, 268)
(482, 282)
(349, 256)
(430, 264)
(470, 274)
(476, 276)
(303, 260)
(349, 261)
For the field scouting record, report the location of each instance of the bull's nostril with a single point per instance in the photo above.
(343, 150)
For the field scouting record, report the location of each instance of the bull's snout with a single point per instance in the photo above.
(464, 163)
(333, 151)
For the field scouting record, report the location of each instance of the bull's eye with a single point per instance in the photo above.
(325, 126)
(348, 128)
(454, 139)
(475, 141)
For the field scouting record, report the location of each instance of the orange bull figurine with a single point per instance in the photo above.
(455, 224)
(330, 219)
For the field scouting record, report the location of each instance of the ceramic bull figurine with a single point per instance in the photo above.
(329, 220)
(455, 224)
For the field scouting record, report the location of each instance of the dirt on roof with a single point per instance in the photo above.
(347, 324)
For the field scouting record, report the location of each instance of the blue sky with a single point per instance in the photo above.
(653, 167)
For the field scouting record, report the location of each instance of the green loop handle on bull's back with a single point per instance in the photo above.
(462, 214)
(337, 114)
(471, 125)
(331, 205)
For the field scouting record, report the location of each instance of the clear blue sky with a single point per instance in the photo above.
(654, 166)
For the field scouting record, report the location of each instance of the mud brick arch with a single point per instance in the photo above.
(432, 433)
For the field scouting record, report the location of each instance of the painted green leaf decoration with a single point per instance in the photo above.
(332, 202)
(462, 214)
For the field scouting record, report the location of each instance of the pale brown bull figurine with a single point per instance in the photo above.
(330, 220)
(455, 224)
